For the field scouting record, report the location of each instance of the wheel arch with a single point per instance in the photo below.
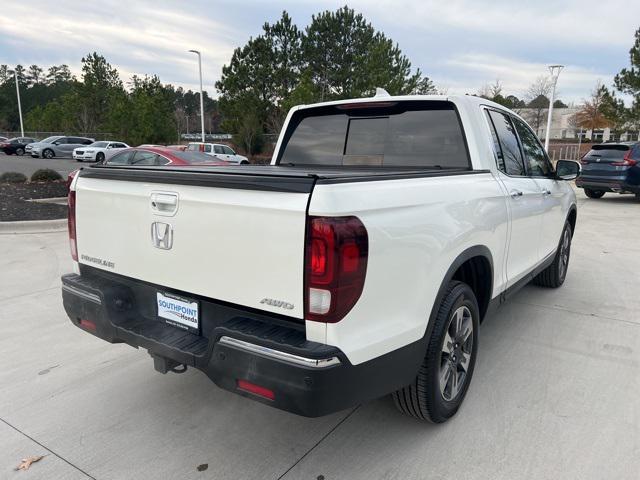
(473, 266)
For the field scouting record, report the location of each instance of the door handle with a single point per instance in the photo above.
(546, 191)
(515, 193)
(164, 203)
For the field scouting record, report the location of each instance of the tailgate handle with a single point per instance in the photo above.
(164, 203)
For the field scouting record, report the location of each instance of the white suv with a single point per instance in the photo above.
(219, 151)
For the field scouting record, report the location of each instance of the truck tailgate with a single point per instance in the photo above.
(232, 237)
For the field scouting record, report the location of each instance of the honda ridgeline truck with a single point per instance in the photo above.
(359, 263)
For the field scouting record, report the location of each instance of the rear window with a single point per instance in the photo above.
(381, 134)
(608, 151)
(194, 157)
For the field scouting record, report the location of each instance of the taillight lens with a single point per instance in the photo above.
(627, 161)
(336, 266)
(71, 217)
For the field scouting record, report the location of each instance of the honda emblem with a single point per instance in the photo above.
(162, 235)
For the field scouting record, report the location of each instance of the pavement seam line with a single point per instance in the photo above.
(577, 312)
(319, 442)
(47, 449)
(29, 293)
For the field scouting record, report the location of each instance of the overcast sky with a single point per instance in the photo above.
(461, 45)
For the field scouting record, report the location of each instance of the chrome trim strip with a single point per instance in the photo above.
(92, 297)
(278, 355)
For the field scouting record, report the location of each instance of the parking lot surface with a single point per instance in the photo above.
(554, 395)
(27, 165)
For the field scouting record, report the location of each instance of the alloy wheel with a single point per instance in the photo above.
(455, 357)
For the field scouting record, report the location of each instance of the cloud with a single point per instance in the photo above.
(462, 45)
(517, 75)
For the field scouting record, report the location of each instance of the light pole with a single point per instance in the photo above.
(201, 97)
(15, 74)
(555, 73)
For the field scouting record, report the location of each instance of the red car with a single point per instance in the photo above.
(161, 156)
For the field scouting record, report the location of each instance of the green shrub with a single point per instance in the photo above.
(45, 175)
(13, 177)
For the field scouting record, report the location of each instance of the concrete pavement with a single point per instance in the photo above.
(554, 395)
(27, 165)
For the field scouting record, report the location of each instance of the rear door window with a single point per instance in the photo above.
(142, 157)
(382, 134)
(218, 149)
(513, 164)
(122, 158)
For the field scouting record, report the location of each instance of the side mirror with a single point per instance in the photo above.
(567, 169)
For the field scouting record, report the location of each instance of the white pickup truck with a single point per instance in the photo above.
(359, 263)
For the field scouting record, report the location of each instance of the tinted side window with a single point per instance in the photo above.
(121, 158)
(144, 158)
(207, 148)
(227, 150)
(162, 160)
(74, 141)
(218, 149)
(513, 163)
(537, 161)
(496, 144)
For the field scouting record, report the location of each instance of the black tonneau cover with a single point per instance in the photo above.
(261, 177)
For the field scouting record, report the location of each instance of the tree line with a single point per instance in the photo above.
(602, 109)
(339, 54)
(143, 111)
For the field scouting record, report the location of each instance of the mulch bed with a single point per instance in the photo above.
(14, 207)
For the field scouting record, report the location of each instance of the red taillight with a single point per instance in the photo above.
(255, 389)
(87, 324)
(627, 161)
(336, 266)
(71, 217)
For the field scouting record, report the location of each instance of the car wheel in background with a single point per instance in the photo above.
(47, 153)
(553, 276)
(19, 151)
(100, 157)
(593, 193)
(447, 368)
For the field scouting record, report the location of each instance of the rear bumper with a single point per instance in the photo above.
(617, 185)
(306, 378)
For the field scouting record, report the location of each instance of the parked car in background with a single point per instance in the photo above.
(218, 150)
(611, 167)
(2, 139)
(57, 146)
(161, 156)
(15, 146)
(182, 148)
(98, 151)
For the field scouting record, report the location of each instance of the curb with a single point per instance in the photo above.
(33, 226)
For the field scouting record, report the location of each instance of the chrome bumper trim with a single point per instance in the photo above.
(278, 355)
(92, 297)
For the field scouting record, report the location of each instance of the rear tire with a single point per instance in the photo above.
(48, 154)
(19, 151)
(436, 394)
(593, 193)
(553, 276)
